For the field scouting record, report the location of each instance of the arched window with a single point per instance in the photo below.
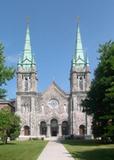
(26, 130)
(82, 130)
(43, 128)
(64, 128)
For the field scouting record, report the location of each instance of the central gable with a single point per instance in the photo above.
(54, 102)
(54, 90)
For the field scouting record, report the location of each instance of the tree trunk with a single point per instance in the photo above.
(4, 139)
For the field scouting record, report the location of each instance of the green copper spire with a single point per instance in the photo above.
(27, 59)
(27, 49)
(79, 57)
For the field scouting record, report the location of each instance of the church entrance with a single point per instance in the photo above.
(54, 127)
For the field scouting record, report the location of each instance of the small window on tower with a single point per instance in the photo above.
(26, 84)
(81, 83)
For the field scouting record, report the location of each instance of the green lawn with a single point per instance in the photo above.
(89, 150)
(26, 150)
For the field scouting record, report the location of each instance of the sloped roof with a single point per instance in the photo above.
(54, 85)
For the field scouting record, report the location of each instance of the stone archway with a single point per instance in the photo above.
(64, 128)
(43, 128)
(54, 127)
(82, 130)
(26, 130)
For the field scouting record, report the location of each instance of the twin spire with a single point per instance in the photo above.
(79, 59)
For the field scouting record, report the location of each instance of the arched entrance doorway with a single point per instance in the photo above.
(26, 130)
(43, 128)
(64, 128)
(82, 130)
(54, 127)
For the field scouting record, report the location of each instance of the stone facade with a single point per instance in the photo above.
(53, 112)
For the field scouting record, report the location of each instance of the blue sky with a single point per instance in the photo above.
(53, 30)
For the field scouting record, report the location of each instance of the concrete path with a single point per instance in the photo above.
(55, 151)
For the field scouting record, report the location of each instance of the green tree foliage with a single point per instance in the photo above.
(6, 73)
(100, 99)
(9, 125)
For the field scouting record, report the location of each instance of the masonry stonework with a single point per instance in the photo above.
(53, 112)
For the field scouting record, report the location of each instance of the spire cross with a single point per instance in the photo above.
(78, 19)
(27, 20)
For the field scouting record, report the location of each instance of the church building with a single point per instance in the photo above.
(53, 112)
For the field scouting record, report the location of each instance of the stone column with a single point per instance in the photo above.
(48, 130)
(60, 131)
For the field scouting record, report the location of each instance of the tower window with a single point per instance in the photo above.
(26, 84)
(81, 83)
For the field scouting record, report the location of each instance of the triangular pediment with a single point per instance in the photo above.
(55, 88)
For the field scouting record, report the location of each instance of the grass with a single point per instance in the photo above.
(89, 150)
(26, 150)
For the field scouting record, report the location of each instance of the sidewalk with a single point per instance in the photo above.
(55, 151)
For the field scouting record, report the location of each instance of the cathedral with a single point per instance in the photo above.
(53, 112)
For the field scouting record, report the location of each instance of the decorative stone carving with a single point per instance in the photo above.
(26, 104)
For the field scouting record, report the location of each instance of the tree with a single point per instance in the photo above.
(6, 73)
(100, 99)
(9, 125)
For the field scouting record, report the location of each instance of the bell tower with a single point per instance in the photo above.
(79, 83)
(26, 88)
(26, 68)
(80, 70)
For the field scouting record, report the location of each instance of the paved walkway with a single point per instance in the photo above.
(55, 151)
